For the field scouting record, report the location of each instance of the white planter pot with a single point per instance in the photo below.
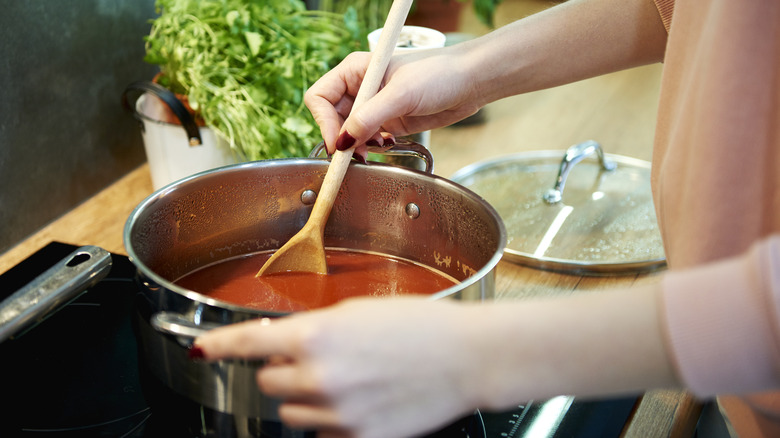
(174, 150)
(168, 149)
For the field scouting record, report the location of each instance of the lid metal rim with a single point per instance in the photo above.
(566, 266)
(585, 268)
(505, 160)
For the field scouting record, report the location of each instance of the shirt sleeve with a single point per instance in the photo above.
(665, 8)
(723, 322)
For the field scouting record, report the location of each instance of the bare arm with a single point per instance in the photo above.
(573, 41)
(590, 344)
(569, 42)
(397, 367)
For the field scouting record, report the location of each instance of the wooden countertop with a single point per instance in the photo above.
(618, 110)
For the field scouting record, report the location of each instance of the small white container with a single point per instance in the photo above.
(412, 38)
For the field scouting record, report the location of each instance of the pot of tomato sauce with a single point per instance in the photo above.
(198, 243)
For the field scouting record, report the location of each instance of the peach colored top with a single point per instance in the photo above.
(716, 181)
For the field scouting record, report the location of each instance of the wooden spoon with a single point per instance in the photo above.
(305, 251)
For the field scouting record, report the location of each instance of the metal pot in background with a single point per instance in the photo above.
(253, 207)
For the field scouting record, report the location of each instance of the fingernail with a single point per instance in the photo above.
(196, 352)
(389, 141)
(373, 142)
(361, 159)
(345, 141)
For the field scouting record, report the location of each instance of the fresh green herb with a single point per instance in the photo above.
(244, 66)
(485, 10)
(371, 14)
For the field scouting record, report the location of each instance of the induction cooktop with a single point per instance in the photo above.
(77, 374)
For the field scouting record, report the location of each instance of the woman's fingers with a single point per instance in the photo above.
(384, 110)
(328, 116)
(331, 101)
(309, 416)
(420, 92)
(248, 340)
(338, 370)
(330, 98)
(291, 381)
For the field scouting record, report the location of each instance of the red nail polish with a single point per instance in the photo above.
(373, 142)
(196, 352)
(345, 141)
(361, 159)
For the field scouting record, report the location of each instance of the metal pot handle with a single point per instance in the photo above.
(184, 329)
(170, 99)
(177, 325)
(52, 290)
(404, 147)
(574, 155)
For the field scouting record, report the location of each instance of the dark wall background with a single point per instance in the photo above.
(63, 132)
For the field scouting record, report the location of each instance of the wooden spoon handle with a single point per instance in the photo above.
(383, 51)
(375, 72)
(330, 188)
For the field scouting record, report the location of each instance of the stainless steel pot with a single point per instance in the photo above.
(258, 206)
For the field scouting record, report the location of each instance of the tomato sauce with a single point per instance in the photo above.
(350, 274)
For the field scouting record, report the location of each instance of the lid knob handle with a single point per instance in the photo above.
(574, 155)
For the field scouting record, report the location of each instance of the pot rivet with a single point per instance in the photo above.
(412, 210)
(308, 197)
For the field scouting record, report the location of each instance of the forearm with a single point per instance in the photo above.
(594, 344)
(356, 364)
(569, 42)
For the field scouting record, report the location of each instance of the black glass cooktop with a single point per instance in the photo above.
(77, 373)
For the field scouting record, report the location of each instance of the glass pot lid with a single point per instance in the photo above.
(578, 211)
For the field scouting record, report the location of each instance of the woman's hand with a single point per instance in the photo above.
(420, 91)
(437, 87)
(392, 367)
(367, 367)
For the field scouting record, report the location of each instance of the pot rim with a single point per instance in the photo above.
(205, 299)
